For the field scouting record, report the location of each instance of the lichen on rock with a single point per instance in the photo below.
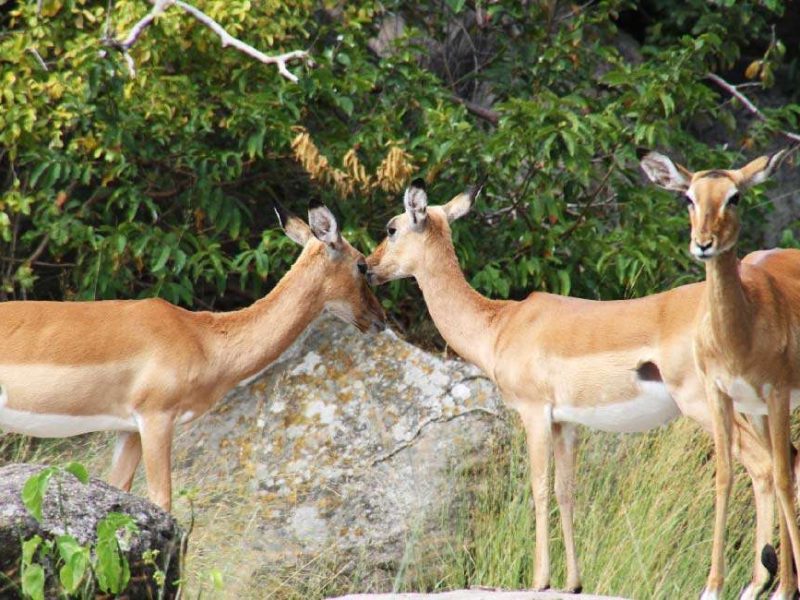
(347, 448)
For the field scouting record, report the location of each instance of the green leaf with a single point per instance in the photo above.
(215, 576)
(34, 490)
(29, 549)
(345, 104)
(111, 567)
(37, 172)
(79, 471)
(76, 562)
(456, 5)
(162, 259)
(33, 582)
(564, 281)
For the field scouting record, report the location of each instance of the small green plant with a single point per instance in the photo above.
(81, 568)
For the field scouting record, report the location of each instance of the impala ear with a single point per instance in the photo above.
(759, 170)
(323, 225)
(665, 173)
(416, 202)
(293, 226)
(461, 204)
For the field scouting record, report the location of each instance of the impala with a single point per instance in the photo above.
(141, 367)
(747, 340)
(620, 366)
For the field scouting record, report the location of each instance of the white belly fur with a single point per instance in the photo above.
(650, 409)
(52, 424)
(747, 401)
(44, 425)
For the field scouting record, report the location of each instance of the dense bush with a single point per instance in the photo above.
(161, 184)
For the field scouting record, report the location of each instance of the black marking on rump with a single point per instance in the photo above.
(770, 561)
(648, 371)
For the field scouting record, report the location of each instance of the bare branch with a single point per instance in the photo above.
(124, 45)
(228, 40)
(733, 90)
(159, 6)
(38, 58)
(487, 114)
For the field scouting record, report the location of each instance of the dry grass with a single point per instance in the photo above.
(644, 514)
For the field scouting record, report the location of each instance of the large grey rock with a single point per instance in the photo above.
(342, 452)
(74, 508)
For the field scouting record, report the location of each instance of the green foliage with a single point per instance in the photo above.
(76, 559)
(159, 185)
(111, 567)
(32, 573)
(34, 490)
(78, 566)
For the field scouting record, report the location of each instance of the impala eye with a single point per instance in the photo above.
(362, 267)
(733, 200)
(391, 230)
(689, 201)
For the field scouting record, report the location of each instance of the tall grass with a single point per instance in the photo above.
(643, 524)
(643, 516)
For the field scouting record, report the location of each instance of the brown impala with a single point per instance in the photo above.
(140, 367)
(622, 366)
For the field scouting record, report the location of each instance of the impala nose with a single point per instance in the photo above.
(703, 247)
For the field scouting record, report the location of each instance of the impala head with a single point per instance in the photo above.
(344, 286)
(410, 234)
(712, 197)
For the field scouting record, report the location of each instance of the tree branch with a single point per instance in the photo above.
(159, 6)
(733, 90)
(487, 114)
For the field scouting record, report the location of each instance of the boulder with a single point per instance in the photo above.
(340, 455)
(76, 508)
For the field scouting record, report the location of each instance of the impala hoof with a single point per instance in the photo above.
(575, 590)
(541, 588)
(752, 591)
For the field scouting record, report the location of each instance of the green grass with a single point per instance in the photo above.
(643, 524)
(643, 520)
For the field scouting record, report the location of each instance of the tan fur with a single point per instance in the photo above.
(549, 352)
(746, 339)
(155, 364)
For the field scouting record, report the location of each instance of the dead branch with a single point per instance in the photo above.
(733, 90)
(159, 6)
(487, 114)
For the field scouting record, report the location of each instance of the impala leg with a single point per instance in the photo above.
(752, 450)
(722, 419)
(786, 575)
(778, 405)
(127, 454)
(564, 443)
(156, 434)
(537, 429)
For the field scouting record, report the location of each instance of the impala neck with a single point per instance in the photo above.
(727, 302)
(252, 338)
(464, 318)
